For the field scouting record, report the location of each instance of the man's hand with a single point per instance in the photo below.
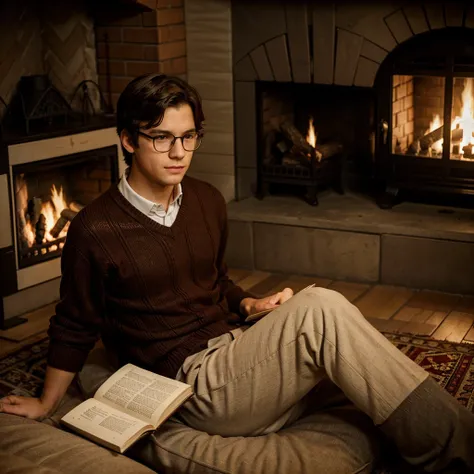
(28, 407)
(56, 383)
(250, 306)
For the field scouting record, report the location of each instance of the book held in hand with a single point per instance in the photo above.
(254, 317)
(129, 404)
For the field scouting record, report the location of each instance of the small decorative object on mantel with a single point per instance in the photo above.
(38, 109)
(87, 105)
(41, 101)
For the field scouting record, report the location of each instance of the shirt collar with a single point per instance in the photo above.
(142, 204)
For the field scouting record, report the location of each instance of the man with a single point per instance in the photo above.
(143, 267)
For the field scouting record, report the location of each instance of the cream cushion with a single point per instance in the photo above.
(27, 446)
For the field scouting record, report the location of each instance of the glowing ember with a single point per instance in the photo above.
(312, 136)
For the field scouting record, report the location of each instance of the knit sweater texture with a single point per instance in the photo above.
(154, 294)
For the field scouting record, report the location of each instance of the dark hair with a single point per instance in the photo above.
(146, 98)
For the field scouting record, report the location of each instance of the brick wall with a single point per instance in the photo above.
(429, 102)
(140, 42)
(402, 113)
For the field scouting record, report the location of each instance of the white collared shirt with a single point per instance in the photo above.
(152, 210)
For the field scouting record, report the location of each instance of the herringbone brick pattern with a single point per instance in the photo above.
(20, 37)
(68, 47)
(54, 38)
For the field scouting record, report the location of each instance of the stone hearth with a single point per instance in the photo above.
(350, 238)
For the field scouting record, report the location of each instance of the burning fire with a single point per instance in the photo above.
(434, 125)
(51, 210)
(465, 122)
(312, 136)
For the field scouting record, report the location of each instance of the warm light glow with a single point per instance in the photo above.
(312, 136)
(434, 125)
(51, 210)
(464, 122)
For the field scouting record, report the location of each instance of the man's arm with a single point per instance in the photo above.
(55, 386)
(73, 330)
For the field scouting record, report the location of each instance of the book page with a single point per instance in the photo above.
(104, 424)
(141, 393)
(260, 314)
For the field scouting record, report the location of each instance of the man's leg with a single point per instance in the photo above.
(256, 383)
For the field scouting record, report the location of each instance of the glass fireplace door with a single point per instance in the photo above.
(419, 110)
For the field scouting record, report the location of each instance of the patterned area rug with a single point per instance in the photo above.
(22, 373)
(450, 364)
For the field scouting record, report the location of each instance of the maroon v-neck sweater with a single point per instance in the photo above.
(155, 294)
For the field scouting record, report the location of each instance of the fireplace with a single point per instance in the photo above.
(310, 136)
(44, 182)
(58, 155)
(411, 61)
(426, 117)
(63, 69)
(49, 193)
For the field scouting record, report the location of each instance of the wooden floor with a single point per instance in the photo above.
(442, 316)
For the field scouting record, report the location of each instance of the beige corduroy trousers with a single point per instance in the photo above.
(255, 381)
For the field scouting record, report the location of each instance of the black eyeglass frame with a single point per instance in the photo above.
(199, 135)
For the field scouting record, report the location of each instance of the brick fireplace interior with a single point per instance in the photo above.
(337, 120)
(63, 66)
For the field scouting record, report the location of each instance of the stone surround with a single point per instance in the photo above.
(320, 43)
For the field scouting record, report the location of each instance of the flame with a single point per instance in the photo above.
(312, 135)
(22, 203)
(434, 125)
(51, 210)
(465, 121)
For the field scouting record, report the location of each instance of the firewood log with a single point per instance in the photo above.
(328, 149)
(67, 215)
(294, 135)
(76, 206)
(34, 209)
(431, 137)
(40, 229)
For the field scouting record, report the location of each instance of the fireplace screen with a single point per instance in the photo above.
(418, 112)
(49, 193)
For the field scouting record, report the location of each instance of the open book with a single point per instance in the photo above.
(126, 406)
(254, 317)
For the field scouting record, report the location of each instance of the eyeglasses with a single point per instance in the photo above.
(164, 142)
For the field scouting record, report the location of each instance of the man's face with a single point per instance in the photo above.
(166, 168)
